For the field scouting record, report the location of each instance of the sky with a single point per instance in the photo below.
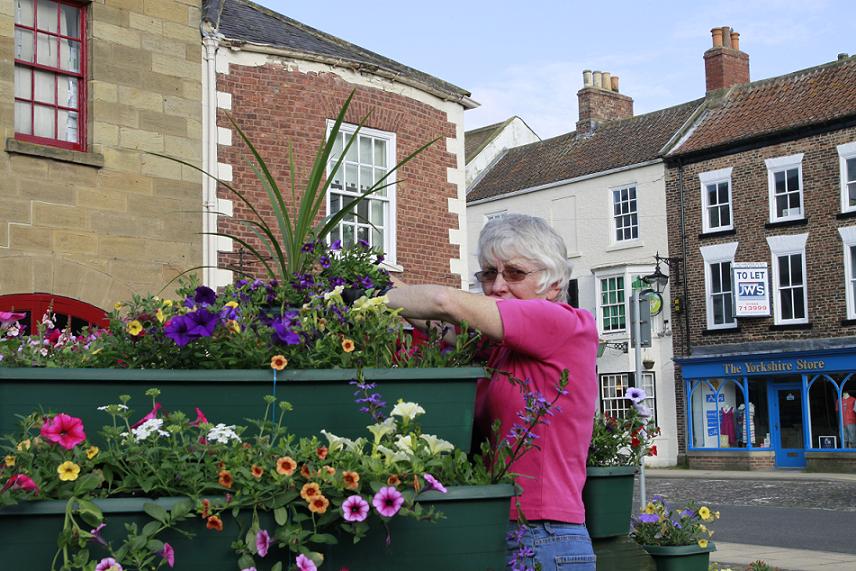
(526, 58)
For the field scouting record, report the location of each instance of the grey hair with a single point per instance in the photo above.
(531, 238)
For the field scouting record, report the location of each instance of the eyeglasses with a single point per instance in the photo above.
(511, 275)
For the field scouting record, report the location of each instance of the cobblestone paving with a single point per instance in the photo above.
(822, 495)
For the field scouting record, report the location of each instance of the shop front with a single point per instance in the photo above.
(771, 410)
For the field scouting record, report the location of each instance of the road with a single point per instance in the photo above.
(802, 514)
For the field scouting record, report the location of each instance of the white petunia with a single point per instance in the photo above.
(336, 443)
(407, 410)
(437, 445)
(391, 456)
(406, 444)
(381, 429)
(223, 434)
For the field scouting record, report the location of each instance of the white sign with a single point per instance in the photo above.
(751, 289)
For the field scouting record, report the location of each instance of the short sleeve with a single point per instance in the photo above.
(540, 328)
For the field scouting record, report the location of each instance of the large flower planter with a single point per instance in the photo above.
(608, 499)
(322, 399)
(470, 538)
(680, 557)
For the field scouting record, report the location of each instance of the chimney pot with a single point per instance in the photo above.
(842, 56)
(605, 81)
(735, 40)
(596, 78)
(716, 34)
(726, 37)
(586, 78)
(614, 79)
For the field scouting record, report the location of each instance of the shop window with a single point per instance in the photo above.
(719, 415)
(68, 312)
(832, 420)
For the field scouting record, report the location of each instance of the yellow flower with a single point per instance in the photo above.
(23, 445)
(167, 303)
(347, 345)
(233, 326)
(650, 508)
(135, 327)
(68, 471)
(702, 543)
(233, 304)
(159, 315)
(10, 461)
(92, 452)
(716, 515)
(704, 512)
(117, 306)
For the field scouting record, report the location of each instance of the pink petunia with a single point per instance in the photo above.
(200, 418)
(168, 553)
(355, 508)
(262, 542)
(109, 564)
(65, 430)
(434, 483)
(388, 501)
(7, 317)
(21, 482)
(152, 414)
(305, 564)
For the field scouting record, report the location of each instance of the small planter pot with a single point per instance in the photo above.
(322, 398)
(471, 537)
(680, 557)
(608, 500)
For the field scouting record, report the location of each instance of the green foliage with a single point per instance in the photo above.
(622, 442)
(662, 524)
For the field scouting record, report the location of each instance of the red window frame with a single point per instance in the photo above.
(36, 304)
(32, 66)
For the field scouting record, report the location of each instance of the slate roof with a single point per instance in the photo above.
(477, 139)
(614, 144)
(811, 96)
(248, 22)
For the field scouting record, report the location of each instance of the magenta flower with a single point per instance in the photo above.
(20, 482)
(96, 534)
(168, 553)
(152, 414)
(388, 501)
(65, 430)
(433, 483)
(355, 508)
(305, 564)
(249, 569)
(8, 317)
(262, 542)
(200, 418)
(108, 564)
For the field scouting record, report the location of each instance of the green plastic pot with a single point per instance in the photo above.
(470, 538)
(681, 557)
(322, 398)
(608, 500)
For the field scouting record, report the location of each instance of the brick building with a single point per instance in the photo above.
(284, 83)
(86, 216)
(761, 198)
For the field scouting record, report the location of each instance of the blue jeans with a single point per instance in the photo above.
(556, 546)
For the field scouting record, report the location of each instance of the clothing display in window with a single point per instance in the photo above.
(741, 422)
(847, 405)
(727, 427)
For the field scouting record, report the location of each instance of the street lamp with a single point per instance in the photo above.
(658, 279)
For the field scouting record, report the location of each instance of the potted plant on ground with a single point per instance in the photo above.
(617, 448)
(675, 536)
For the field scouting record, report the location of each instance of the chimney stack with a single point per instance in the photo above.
(600, 101)
(724, 64)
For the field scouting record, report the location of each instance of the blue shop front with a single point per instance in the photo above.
(794, 409)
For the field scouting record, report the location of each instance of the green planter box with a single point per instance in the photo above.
(322, 399)
(680, 557)
(608, 499)
(470, 538)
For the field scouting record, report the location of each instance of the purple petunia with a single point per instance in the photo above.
(388, 501)
(433, 483)
(366, 282)
(355, 508)
(262, 542)
(305, 564)
(649, 518)
(282, 327)
(205, 296)
(203, 322)
(635, 394)
(178, 329)
(108, 564)
(324, 261)
(96, 534)
(336, 245)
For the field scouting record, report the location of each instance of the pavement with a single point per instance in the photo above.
(741, 555)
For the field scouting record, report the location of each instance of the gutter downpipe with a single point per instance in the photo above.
(210, 44)
(684, 255)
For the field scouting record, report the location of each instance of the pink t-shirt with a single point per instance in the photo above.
(541, 338)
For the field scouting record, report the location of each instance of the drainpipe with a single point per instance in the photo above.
(210, 43)
(684, 255)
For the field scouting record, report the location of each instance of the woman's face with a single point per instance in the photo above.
(517, 278)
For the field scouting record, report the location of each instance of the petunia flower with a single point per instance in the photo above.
(9, 317)
(200, 418)
(355, 508)
(437, 445)
(635, 394)
(152, 414)
(286, 466)
(203, 322)
(388, 501)
(96, 534)
(649, 518)
(204, 296)
(109, 564)
(65, 430)
(168, 553)
(305, 564)
(20, 482)
(262, 542)
(433, 483)
(178, 329)
(407, 410)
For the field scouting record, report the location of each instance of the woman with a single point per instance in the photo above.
(524, 275)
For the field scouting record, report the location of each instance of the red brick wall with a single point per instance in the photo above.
(731, 461)
(824, 254)
(724, 67)
(597, 105)
(275, 106)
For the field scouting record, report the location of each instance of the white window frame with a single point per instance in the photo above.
(845, 152)
(389, 237)
(599, 300)
(613, 225)
(848, 240)
(780, 164)
(715, 177)
(716, 254)
(619, 404)
(786, 246)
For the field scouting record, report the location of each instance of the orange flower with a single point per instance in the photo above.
(205, 505)
(286, 466)
(304, 471)
(416, 484)
(331, 471)
(393, 480)
(278, 362)
(318, 504)
(321, 451)
(257, 471)
(225, 479)
(351, 479)
(215, 523)
(348, 345)
(310, 490)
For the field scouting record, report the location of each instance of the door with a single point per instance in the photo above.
(786, 414)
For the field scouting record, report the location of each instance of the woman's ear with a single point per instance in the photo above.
(553, 291)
